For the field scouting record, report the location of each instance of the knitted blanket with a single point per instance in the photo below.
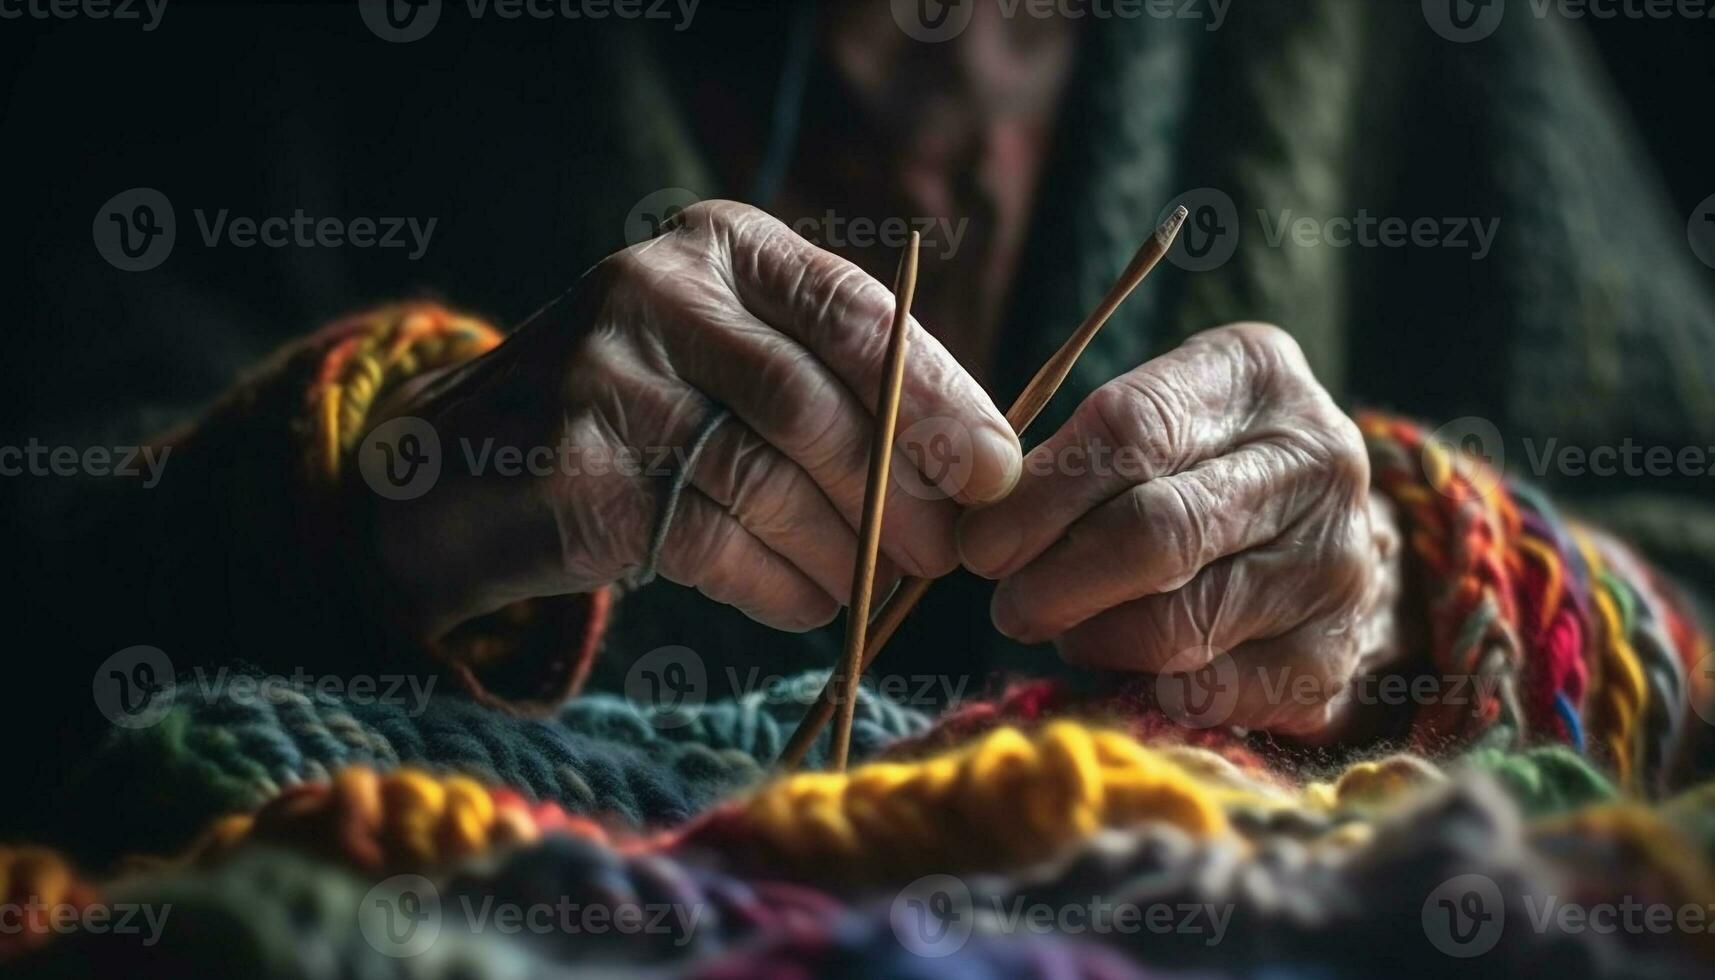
(1535, 803)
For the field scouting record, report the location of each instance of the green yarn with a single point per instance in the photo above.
(1545, 780)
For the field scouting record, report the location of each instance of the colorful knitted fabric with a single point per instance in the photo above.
(216, 751)
(279, 827)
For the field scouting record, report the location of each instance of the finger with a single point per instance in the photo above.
(1232, 601)
(1178, 410)
(708, 549)
(843, 316)
(783, 393)
(1297, 684)
(778, 502)
(1168, 530)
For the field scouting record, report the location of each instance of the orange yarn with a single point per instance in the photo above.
(372, 354)
(403, 820)
(36, 884)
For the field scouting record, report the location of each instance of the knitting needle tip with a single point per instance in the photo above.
(1169, 229)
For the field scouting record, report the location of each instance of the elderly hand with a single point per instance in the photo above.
(604, 393)
(1213, 502)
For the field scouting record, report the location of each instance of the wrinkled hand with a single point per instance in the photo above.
(726, 306)
(1212, 502)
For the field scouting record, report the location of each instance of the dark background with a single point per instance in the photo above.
(94, 107)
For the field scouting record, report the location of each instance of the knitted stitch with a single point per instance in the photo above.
(897, 819)
(222, 754)
(1341, 909)
(217, 752)
(269, 915)
(690, 911)
(868, 948)
(406, 820)
(757, 723)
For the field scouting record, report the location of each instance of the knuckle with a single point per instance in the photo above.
(1168, 518)
(804, 409)
(1342, 445)
(625, 265)
(1268, 354)
(762, 490)
(714, 214)
(707, 542)
(1135, 413)
(1263, 341)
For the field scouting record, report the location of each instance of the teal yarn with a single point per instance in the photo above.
(215, 752)
(1545, 780)
(757, 723)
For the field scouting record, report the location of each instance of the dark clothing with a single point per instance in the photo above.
(1588, 321)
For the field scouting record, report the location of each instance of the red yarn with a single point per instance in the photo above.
(1129, 706)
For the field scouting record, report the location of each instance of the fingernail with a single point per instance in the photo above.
(988, 546)
(1003, 609)
(1001, 448)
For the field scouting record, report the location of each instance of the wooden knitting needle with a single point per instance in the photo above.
(1024, 411)
(875, 499)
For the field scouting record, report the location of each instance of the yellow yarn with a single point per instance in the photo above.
(1375, 785)
(385, 348)
(1364, 787)
(1231, 783)
(1619, 689)
(402, 819)
(1004, 801)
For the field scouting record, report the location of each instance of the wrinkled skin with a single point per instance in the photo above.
(727, 305)
(1238, 521)
(1241, 520)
